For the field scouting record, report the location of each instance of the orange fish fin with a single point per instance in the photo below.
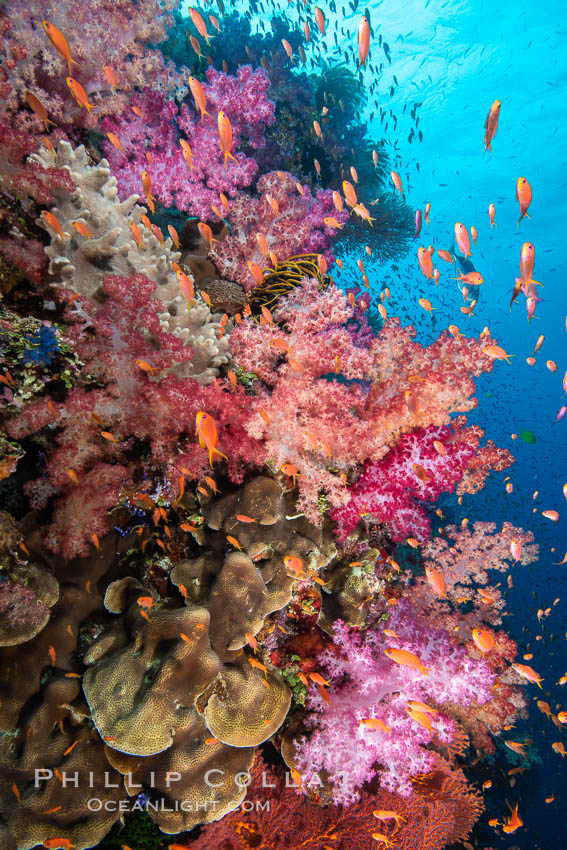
(213, 452)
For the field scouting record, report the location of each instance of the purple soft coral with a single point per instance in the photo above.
(366, 685)
(195, 185)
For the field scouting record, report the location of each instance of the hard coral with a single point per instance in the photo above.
(37, 810)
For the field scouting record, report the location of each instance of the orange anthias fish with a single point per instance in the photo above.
(187, 153)
(491, 125)
(420, 717)
(53, 223)
(416, 705)
(58, 844)
(436, 582)
(199, 24)
(396, 180)
(81, 228)
(471, 279)
(408, 659)
(206, 233)
(516, 747)
(257, 664)
(208, 437)
(198, 96)
(463, 240)
(514, 822)
(496, 352)
(79, 93)
(233, 541)
(349, 193)
(528, 673)
(136, 233)
(59, 42)
(375, 723)
(38, 107)
(318, 679)
(225, 136)
(388, 814)
(523, 196)
(290, 470)
(425, 263)
(195, 45)
(174, 235)
(114, 140)
(109, 74)
(294, 564)
(287, 47)
(363, 40)
(527, 262)
(483, 639)
(320, 19)
(251, 641)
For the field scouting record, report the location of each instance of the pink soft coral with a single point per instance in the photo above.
(390, 490)
(174, 182)
(296, 227)
(115, 33)
(366, 684)
(117, 336)
(332, 405)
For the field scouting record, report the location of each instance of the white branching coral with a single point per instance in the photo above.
(81, 262)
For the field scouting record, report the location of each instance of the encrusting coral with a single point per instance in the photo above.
(27, 590)
(171, 688)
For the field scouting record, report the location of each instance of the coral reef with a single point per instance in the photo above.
(442, 810)
(221, 469)
(367, 685)
(33, 64)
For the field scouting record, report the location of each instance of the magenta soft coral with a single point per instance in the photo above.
(366, 684)
(196, 187)
(391, 490)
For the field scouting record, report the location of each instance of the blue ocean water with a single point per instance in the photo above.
(454, 59)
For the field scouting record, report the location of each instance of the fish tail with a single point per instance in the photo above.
(214, 451)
